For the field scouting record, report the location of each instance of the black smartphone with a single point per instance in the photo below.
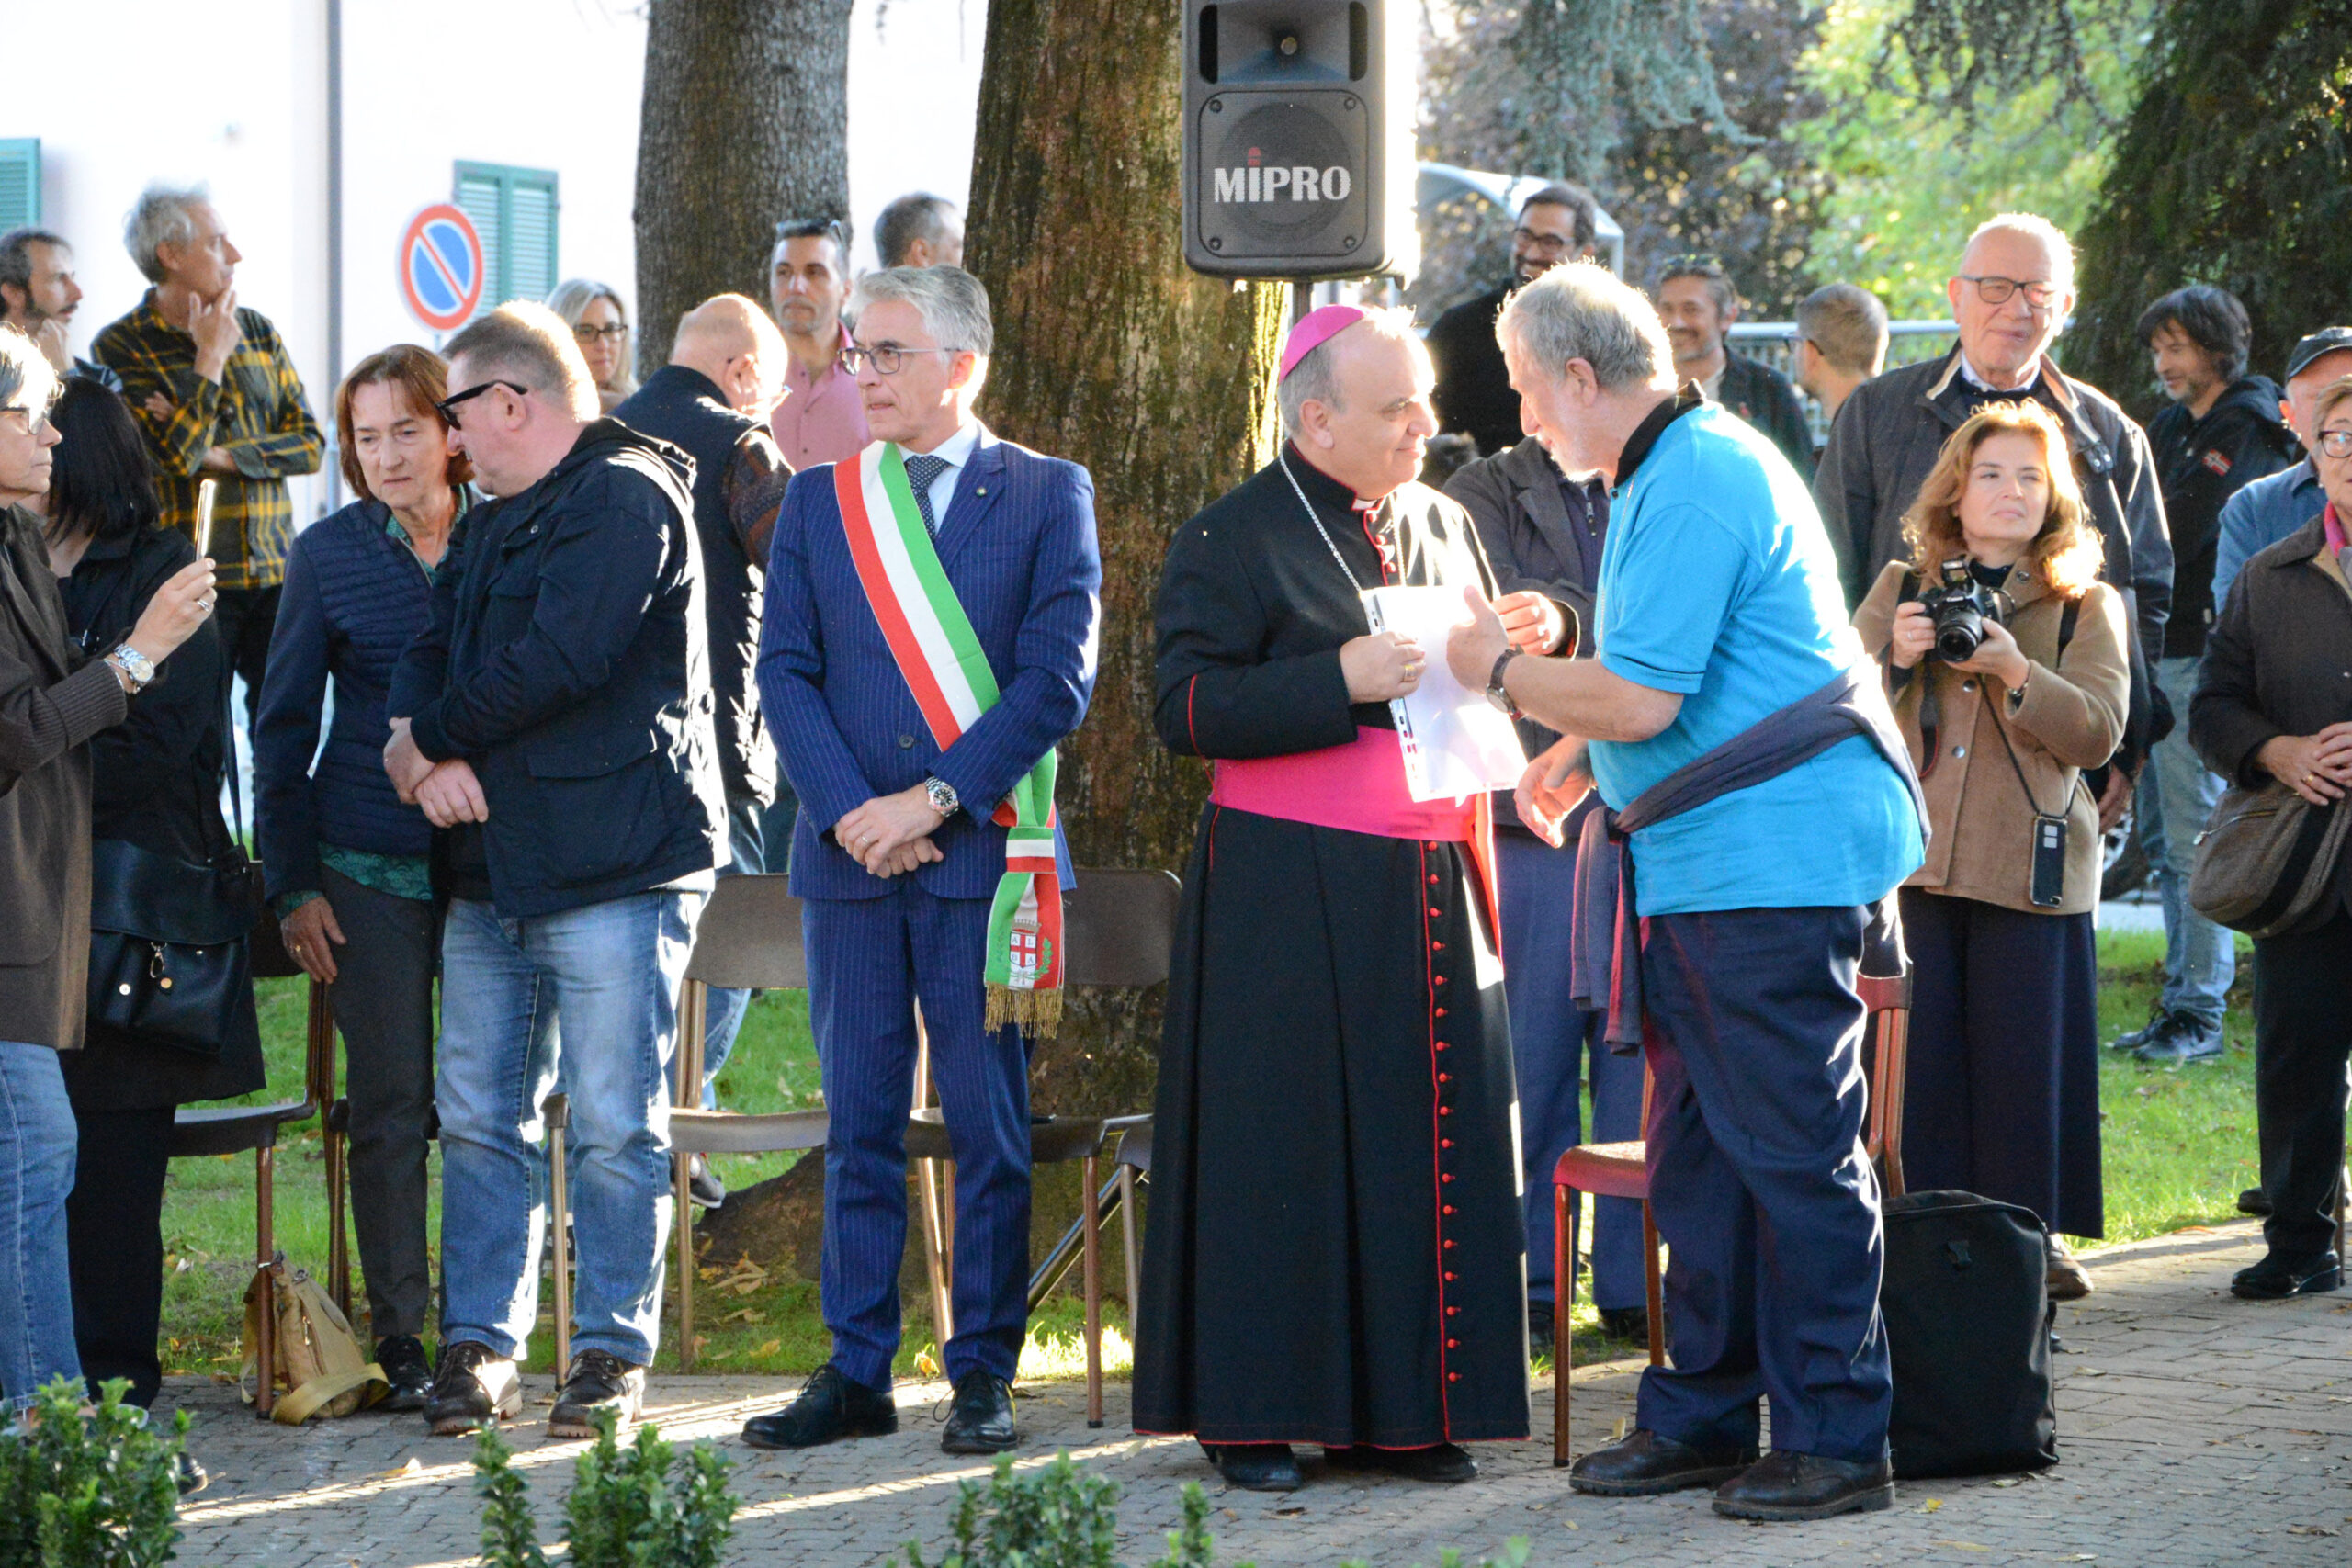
(2049, 888)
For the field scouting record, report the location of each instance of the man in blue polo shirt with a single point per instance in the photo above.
(2273, 507)
(1719, 606)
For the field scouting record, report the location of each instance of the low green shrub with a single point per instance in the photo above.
(1062, 1516)
(88, 1491)
(630, 1507)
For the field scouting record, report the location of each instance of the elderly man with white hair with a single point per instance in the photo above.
(1755, 779)
(1334, 1249)
(215, 390)
(2009, 298)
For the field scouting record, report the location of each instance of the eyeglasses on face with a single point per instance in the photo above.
(588, 336)
(2337, 443)
(1543, 245)
(888, 358)
(2001, 291)
(448, 407)
(33, 421)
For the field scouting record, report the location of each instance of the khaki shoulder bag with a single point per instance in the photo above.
(2267, 860)
(320, 1365)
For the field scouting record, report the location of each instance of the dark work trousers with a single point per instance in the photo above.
(114, 1242)
(1758, 1184)
(869, 961)
(2001, 1097)
(1550, 1040)
(2302, 1036)
(245, 617)
(383, 1004)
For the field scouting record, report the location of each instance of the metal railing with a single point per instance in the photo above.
(1774, 343)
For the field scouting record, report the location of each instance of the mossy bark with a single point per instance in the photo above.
(745, 120)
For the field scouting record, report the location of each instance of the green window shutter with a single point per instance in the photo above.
(513, 211)
(530, 235)
(19, 182)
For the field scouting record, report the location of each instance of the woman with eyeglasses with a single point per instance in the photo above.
(599, 322)
(348, 865)
(2274, 705)
(56, 699)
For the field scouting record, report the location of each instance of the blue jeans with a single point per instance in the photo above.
(37, 1148)
(586, 1001)
(2175, 800)
(723, 1009)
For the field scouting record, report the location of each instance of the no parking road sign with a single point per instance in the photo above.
(441, 269)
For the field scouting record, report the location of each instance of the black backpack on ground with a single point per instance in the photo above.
(1966, 1300)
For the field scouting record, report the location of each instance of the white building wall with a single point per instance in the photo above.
(233, 93)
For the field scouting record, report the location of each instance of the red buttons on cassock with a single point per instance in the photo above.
(1449, 1246)
(1441, 1012)
(1433, 881)
(1453, 1377)
(1450, 1277)
(1440, 1044)
(1447, 1176)
(1437, 947)
(1445, 1077)
(1445, 1110)
(1445, 1143)
(1440, 979)
(1450, 1311)
(1435, 912)
(1449, 1208)
(1454, 1343)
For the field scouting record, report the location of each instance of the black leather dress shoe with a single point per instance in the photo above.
(473, 1384)
(189, 1475)
(1645, 1465)
(2256, 1202)
(1256, 1467)
(405, 1369)
(1786, 1485)
(979, 1418)
(1443, 1463)
(830, 1408)
(2276, 1278)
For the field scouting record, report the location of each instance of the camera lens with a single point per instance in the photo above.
(1958, 631)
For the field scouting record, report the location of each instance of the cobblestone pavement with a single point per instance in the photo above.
(2194, 1429)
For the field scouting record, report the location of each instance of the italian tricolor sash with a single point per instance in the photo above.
(939, 654)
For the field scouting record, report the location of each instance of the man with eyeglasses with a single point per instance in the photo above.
(1473, 397)
(554, 717)
(2009, 300)
(928, 639)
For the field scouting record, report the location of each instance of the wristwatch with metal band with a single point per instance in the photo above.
(134, 666)
(942, 796)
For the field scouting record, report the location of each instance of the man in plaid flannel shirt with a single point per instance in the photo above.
(211, 385)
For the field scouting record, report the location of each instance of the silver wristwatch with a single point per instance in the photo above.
(942, 796)
(134, 666)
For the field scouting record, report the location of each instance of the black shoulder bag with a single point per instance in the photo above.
(170, 942)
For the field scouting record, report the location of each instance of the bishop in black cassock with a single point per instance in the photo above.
(1335, 1253)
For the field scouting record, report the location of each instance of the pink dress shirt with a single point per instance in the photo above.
(821, 419)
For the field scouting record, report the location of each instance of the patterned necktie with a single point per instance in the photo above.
(921, 469)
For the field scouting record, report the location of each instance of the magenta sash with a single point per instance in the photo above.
(1359, 787)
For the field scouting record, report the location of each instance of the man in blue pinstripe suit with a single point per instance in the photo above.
(895, 855)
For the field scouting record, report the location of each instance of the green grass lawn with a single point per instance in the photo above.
(2179, 1146)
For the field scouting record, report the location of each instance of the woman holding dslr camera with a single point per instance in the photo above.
(2006, 662)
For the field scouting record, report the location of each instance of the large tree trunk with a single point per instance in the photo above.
(745, 122)
(1110, 353)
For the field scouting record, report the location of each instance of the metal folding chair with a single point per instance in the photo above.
(1622, 1170)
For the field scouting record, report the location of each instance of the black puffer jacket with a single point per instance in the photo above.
(2200, 463)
